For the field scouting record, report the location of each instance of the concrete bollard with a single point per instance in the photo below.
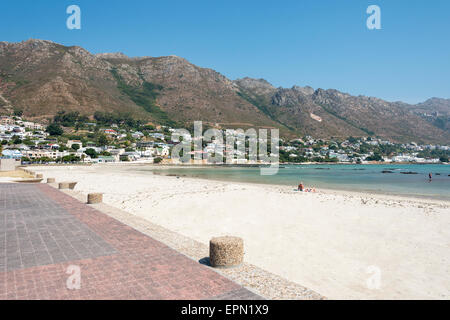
(51, 180)
(63, 185)
(225, 252)
(39, 176)
(72, 185)
(94, 198)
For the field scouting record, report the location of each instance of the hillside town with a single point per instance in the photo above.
(71, 138)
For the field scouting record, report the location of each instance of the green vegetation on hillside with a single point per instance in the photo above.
(330, 111)
(119, 118)
(69, 119)
(54, 129)
(17, 81)
(442, 123)
(257, 102)
(261, 105)
(144, 96)
(444, 154)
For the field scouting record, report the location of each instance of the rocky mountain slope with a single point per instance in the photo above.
(434, 105)
(333, 113)
(41, 77)
(435, 111)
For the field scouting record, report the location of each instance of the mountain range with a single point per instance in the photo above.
(41, 78)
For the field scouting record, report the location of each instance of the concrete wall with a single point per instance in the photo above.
(7, 164)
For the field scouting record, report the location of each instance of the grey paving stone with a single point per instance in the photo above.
(34, 231)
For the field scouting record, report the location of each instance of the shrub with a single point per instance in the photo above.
(54, 129)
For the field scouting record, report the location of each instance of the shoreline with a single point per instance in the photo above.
(139, 163)
(356, 192)
(359, 193)
(324, 241)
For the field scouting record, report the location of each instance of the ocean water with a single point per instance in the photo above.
(364, 178)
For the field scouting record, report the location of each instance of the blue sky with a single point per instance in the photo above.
(324, 44)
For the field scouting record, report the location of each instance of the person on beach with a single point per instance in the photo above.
(301, 186)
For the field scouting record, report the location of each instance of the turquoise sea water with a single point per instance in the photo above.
(365, 178)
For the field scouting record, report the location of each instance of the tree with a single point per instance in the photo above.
(148, 127)
(71, 158)
(443, 159)
(67, 119)
(75, 146)
(44, 160)
(157, 160)
(364, 148)
(328, 159)
(375, 157)
(16, 140)
(18, 112)
(54, 129)
(91, 153)
(28, 142)
(102, 140)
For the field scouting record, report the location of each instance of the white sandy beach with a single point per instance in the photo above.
(333, 243)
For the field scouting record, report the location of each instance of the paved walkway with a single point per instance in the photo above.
(44, 233)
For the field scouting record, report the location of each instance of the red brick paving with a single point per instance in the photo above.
(136, 267)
